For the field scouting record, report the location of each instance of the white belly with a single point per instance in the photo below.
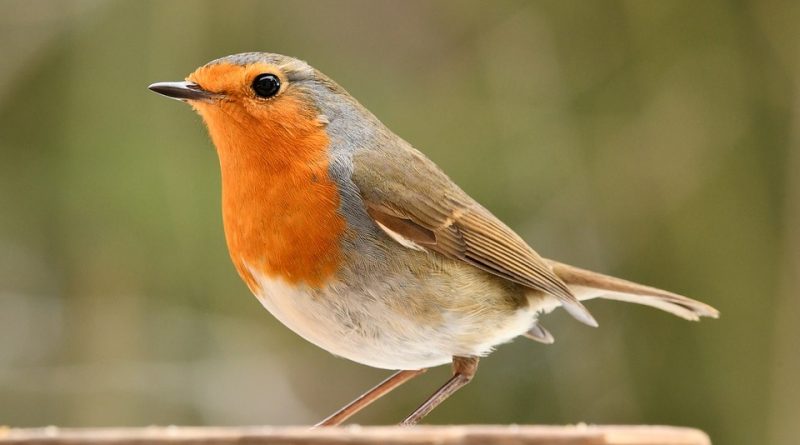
(363, 327)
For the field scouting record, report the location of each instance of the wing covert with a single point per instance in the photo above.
(408, 195)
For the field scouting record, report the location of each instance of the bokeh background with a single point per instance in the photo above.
(654, 140)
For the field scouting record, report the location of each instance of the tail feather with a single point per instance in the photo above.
(586, 285)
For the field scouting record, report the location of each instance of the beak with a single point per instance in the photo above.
(183, 91)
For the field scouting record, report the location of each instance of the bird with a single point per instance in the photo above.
(360, 244)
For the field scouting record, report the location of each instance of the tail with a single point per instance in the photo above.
(586, 285)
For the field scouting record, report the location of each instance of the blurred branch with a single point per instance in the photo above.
(442, 435)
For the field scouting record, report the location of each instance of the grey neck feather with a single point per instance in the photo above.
(351, 128)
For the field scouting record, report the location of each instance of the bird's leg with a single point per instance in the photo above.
(370, 396)
(463, 370)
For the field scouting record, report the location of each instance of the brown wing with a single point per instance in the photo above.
(405, 193)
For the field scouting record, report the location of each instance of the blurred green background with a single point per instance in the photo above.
(654, 140)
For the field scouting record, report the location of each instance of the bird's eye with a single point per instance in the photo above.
(266, 85)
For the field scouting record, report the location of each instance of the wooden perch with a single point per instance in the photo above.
(355, 435)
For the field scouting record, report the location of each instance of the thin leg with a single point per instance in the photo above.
(463, 370)
(370, 396)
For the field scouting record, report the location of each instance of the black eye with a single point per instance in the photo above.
(266, 85)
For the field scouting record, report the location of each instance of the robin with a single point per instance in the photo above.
(364, 247)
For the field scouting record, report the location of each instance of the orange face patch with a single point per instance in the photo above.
(279, 204)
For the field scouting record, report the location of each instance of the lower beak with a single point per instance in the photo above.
(183, 91)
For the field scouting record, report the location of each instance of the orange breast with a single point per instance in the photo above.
(279, 204)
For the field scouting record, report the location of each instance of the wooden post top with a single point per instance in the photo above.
(357, 435)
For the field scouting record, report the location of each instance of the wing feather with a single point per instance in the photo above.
(416, 200)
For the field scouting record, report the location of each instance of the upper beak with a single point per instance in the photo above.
(183, 91)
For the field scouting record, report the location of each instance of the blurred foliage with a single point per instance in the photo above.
(657, 141)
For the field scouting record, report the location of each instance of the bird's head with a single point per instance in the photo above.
(259, 104)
